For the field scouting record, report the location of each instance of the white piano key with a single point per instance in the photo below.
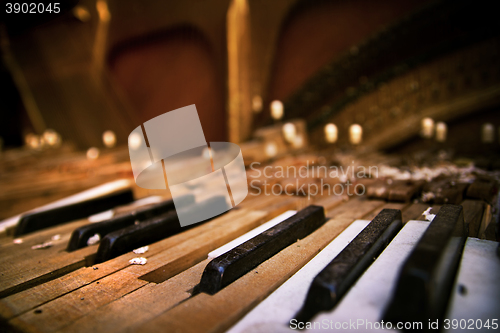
(94, 192)
(251, 234)
(475, 298)
(365, 303)
(274, 313)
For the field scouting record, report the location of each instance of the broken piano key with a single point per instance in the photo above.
(80, 236)
(31, 222)
(336, 278)
(235, 263)
(426, 278)
(124, 240)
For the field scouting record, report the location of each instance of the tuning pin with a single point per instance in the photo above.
(427, 128)
(488, 133)
(81, 13)
(331, 133)
(257, 104)
(289, 132)
(51, 138)
(355, 134)
(33, 141)
(298, 141)
(109, 139)
(103, 10)
(92, 153)
(276, 110)
(441, 131)
(271, 149)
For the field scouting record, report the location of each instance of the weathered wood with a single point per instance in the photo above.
(404, 191)
(19, 276)
(490, 233)
(446, 191)
(482, 188)
(18, 303)
(138, 308)
(391, 205)
(354, 209)
(7, 244)
(171, 261)
(379, 189)
(205, 313)
(141, 305)
(56, 314)
(414, 212)
(229, 266)
(331, 201)
(485, 222)
(473, 213)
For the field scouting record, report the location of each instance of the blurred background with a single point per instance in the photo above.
(409, 78)
(109, 65)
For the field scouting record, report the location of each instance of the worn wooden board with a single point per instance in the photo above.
(473, 213)
(18, 303)
(170, 262)
(391, 205)
(146, 303)
(6, 243)
(21, 275)
(355, 208)
(414, 211)
(331, 201)
(205, 313)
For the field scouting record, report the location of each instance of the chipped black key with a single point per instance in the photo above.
(235, 263)
(426, 278)
(81, 235)
(48, 218)
(124, 240)
(337, 277)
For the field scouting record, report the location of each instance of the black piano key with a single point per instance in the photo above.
(426, 278)
(129, 238)
(337, 277)
(80, 236)
(235, 263)
(40, 220)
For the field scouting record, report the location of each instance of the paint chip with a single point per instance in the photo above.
(141, 250)
(428, 216)
(138, 261)
(94, 239)
(42, 246)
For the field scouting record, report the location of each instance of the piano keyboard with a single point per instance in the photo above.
(51, 289)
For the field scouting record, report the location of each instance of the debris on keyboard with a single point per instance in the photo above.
(94, 239)
(42, 246)
(428, 216)
(138, 261)
(141, 250)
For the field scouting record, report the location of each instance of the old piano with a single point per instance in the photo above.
(370, 136)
